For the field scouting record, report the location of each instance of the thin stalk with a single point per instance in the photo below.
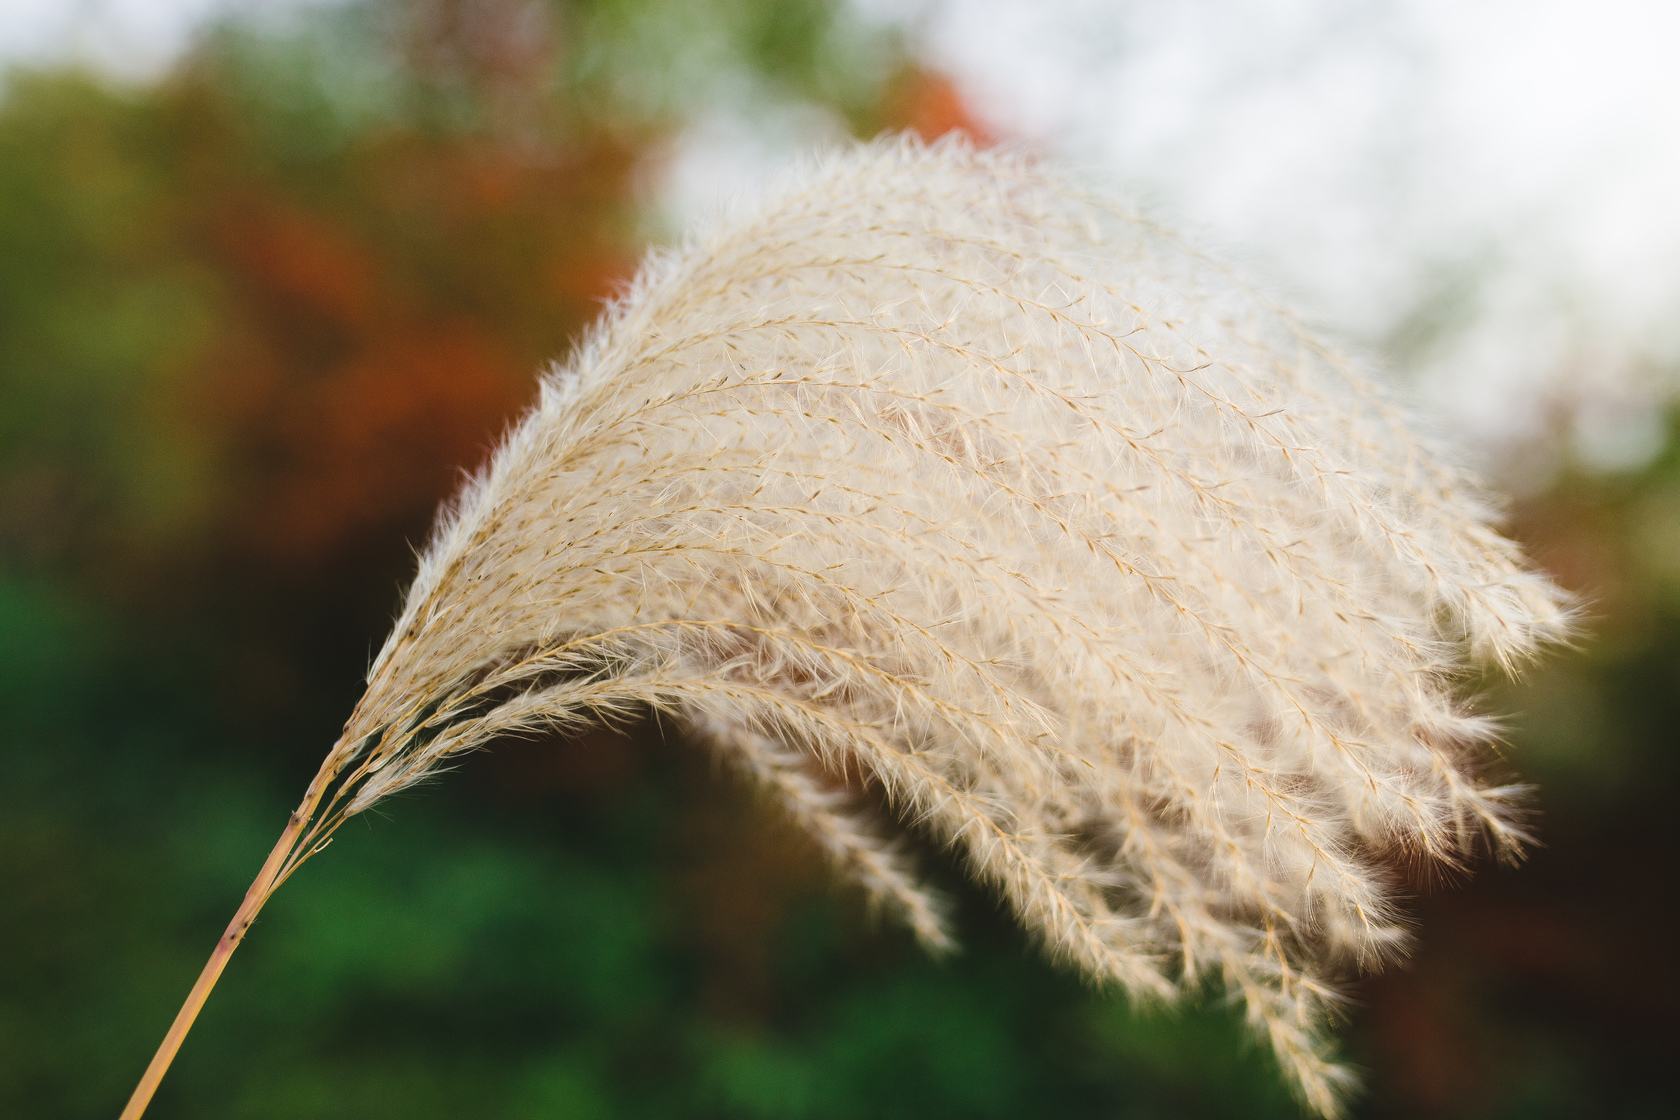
(259, 892)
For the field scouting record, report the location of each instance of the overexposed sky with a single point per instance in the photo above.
(1482, 194)
(1517, 161)
(133, 38)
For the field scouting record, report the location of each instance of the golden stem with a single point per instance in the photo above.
(262, 887)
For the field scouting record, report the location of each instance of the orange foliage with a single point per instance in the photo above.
(382, 314)
(930, 104)
(373, 348)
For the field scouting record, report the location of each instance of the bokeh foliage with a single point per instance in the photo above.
(255, 316)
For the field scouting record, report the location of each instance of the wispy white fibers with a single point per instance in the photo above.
(937, 469)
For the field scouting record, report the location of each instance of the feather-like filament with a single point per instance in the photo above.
(939, 468)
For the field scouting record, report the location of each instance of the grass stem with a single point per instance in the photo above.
(259, 892)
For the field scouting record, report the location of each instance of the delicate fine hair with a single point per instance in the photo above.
(937, 469)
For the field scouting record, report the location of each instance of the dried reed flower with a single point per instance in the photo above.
(940, 470)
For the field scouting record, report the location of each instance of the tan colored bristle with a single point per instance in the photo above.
(938, 468)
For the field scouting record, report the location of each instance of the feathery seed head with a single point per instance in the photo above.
(938, 468)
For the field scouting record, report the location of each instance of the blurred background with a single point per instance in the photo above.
(272, 275)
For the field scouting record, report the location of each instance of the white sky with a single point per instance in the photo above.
(1355, 151)
(131, 37)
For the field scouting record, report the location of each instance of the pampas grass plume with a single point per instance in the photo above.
(938, 469)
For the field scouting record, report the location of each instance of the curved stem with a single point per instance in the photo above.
(259, 892)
